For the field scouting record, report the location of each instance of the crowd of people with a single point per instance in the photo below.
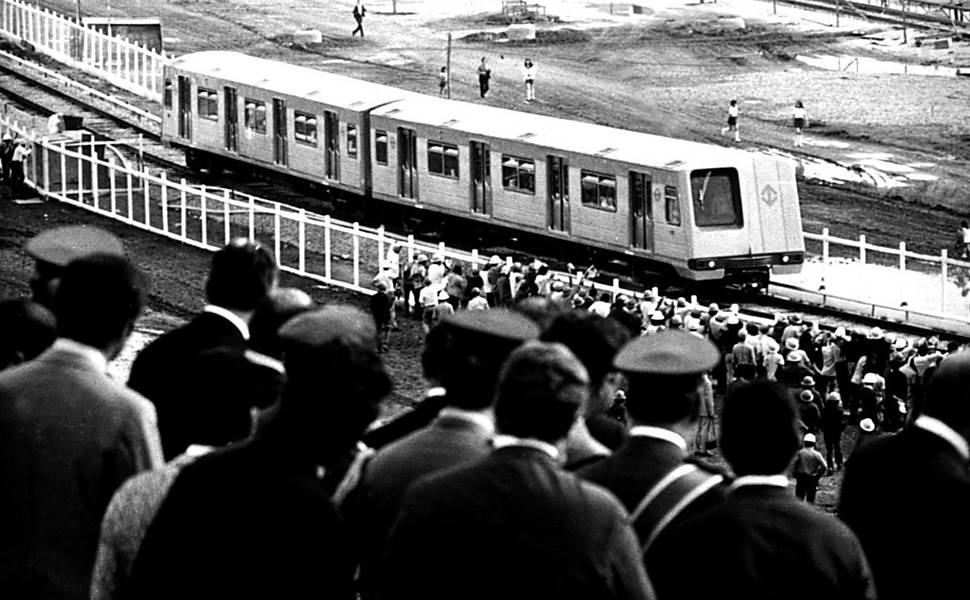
(557, 451)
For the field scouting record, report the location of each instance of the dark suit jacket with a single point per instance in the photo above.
(373, 505)
(251, 521)
(69, 437)
(171, 374)
(512, 525)
(635, 468)
(762, 543)
(907, 497)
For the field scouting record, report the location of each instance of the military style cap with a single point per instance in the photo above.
(61, 245)
(668, 352)
(319, 327)
(498, 323)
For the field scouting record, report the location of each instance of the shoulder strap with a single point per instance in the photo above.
(668, 498)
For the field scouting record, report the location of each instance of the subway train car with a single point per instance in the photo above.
(701, 211)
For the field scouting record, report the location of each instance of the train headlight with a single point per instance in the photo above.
(710, 264)
(785, 258)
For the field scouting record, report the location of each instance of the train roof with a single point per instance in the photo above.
(561, 134)
(290, 80)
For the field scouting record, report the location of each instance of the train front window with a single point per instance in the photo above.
(716, 197)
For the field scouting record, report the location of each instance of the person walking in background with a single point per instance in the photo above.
(359, 12)
(963, 240)
(732, 121)
(484, 75)
(808, 469)
(799, 120)
(442, 80)
(529, 75)
(20, 154)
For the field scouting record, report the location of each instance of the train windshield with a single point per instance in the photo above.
(716, 196)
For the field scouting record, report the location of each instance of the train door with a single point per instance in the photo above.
(279, 132)
(641, 212)
(558, 192)
(481, 178)
(185, 107)
(331, 135)
(232, 119)
(407, 160)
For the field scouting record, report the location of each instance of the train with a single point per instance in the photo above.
(701, 212)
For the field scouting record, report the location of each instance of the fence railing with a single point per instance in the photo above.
(128, 65)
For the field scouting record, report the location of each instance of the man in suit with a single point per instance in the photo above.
(253, 520)
(664, 372)
(514, 524)
(762, 542)
(476, 346)
(170, 372)
(53, 249)
(906, 495)
(70, 435)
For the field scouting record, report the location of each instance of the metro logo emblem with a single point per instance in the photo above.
(768, 195)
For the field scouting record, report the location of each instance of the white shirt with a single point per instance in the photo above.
(659, 433)
(21, 152)
(230, 316)
(799, 113)
(529, 73)
(941, 429)
(772, 480)
(732, 111)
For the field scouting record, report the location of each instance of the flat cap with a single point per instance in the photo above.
(668, 352)
(497, 323)
(319, 327)
(61, 245)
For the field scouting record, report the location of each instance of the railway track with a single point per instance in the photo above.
(130, 128)
(909, 15)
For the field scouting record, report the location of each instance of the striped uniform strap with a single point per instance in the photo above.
(668, 498)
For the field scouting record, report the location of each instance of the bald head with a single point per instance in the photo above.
(948, 398)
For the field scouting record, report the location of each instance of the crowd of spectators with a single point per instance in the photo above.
(559, 449)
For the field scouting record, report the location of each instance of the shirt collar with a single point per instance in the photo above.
(659, 433)
(480, 419)
(94, 357)
(941, 429)
(770, 480)
(258, 358)
(230, 316)
(433, 391)
(504, 441)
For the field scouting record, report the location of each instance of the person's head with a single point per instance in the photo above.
(28, 329)
(242, 274)
(734, 102)
(542, 389)
(759, 429)
(595, 342)
(443, 69)
(946, 395)
(664, 372)
(808, 440)
(279, 306)
(540, 310)
(335, 380)
(964, 224)
(477, 344)
(798, 104)
(98, 300)
(53, 249)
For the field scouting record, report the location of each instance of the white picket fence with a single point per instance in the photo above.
(128, 65)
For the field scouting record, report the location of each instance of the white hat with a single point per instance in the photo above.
(809, 438)
(867, 425)
(657, 317)
(870, 379)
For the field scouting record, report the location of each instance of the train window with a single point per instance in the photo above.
(380, 147)
(305, 128)
(208, 101)
(443, 159)
(255, 116)
(716, 195)
(351, 141)
(519, 174)
(168, 93)
(672, 205)
(599, 190)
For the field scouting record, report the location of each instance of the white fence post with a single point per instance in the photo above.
(146, 191)
(252, 217)
(902, 256)
(944, 279)
(277, 226)
(326, 248)
(380, 247)
(302, 240)
(95, 188)
(183, 210)
(131, 197)
(226, 215)
(862, 248)
(410, 248)
(356, 254)
(164, 178)
(204, 216)
(112, 186)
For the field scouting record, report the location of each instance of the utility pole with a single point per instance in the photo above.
(838, 9)
(448, 66)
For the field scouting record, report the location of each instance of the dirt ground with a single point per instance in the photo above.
(670, 71)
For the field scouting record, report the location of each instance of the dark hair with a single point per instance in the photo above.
(541, 390)
(242, 273)
(277, 308)
(759, 429)
(99, 297)
(434, 354)
(471, 366)
(28, 329)
(946, 391)
(593, 339)
(662, 399)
